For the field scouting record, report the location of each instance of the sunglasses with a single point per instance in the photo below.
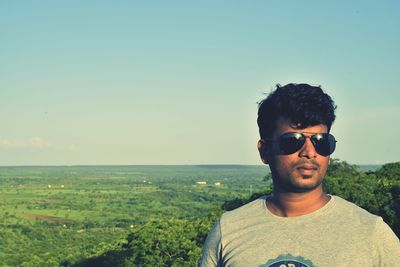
(324, 143)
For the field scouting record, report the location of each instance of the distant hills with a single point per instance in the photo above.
(366, 168)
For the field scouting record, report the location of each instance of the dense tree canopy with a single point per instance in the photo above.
(161, 242)
(389, 171)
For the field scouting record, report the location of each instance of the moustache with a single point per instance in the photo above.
(310, 162)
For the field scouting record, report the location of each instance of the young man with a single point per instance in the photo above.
(299, 224)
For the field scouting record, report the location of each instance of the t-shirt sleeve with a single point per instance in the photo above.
(387, 245)
(212, 248)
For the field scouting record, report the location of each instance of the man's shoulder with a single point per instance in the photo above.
(251, 210)
(351, 207)
(351, 212)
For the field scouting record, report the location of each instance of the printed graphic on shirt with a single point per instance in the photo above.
(288, 260)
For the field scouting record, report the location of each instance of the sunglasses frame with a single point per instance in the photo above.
(312, 135)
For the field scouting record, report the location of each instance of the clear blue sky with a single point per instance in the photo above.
(177, 82)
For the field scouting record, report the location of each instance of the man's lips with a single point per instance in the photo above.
(307, 169)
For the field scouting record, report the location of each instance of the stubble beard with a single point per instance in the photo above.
(290, 186)
(292, 183)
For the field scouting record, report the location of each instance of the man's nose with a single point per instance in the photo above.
(308, 149)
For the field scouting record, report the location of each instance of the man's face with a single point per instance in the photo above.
(301, 171)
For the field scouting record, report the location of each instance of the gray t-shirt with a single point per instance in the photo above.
(338, 234)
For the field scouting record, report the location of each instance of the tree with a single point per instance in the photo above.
(168, 242)
(339, 167)
(159, 242)
(390, 171)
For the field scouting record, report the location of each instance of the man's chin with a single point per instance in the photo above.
(301, 188)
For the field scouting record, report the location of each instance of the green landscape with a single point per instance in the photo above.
(149, 215)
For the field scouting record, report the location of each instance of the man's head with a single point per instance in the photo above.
(294, 123)
(302, 104)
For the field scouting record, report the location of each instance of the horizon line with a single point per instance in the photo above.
(127, 165)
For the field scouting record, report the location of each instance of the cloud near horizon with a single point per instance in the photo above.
(33, 143)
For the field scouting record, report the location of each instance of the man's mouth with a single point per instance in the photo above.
(306, 169)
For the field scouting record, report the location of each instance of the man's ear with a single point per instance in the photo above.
(263, 150)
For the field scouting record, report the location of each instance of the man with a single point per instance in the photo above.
(299, 224)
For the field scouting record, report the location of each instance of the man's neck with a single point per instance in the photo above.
(286, 204)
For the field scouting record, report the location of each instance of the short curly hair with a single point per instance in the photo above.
(302, 104)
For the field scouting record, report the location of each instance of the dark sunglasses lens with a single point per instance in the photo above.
(324, 144)
(291, 142)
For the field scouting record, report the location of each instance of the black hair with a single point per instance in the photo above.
(302, 104)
